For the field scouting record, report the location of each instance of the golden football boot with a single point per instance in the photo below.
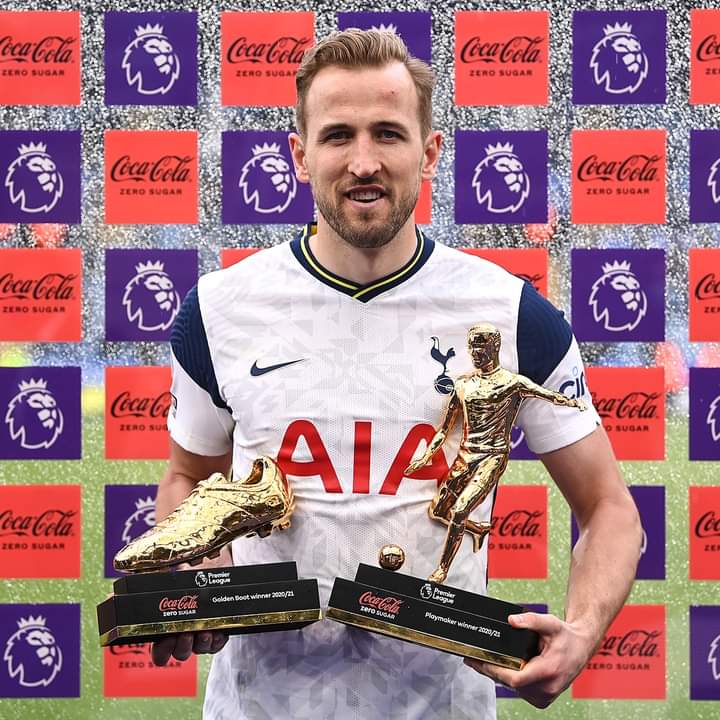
(214, 513)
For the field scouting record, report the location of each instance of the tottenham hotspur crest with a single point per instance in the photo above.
(267, 181)
(150, 62)
(150, 299)
(32, 655)
(500, 180)
(617, 298)
(618, 61)
(33, 416)
(33, 179)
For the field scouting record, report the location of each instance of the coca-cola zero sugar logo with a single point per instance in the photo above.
(518, 539)
(261, 52)
(500, 177)
(185, 605)
(40, 58)
(40, 531)
(619, 56)
(40, 650)
(151, 176)
(704, 295)
(631, 404)
(144, 290)
(41, 288)
(618, 295)
(631, 659)
(138, 404)
(704, 531)
(704, 55)
(618, 176)
(259, 184)
(704, 413)
(501, 58)
(150, 58)
(378, 605)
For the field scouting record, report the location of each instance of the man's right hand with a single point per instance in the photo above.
(182, 645)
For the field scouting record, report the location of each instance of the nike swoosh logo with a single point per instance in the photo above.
(256, 371)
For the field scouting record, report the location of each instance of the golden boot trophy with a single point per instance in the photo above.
(447, 618)
(149, 603)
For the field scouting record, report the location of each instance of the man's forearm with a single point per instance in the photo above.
(172, 490)
(603, 566)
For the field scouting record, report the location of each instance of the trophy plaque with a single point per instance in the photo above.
(148, 603)
(428, 612)
(235, 599)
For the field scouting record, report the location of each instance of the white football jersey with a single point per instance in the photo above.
(344, 385)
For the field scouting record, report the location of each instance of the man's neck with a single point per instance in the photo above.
(362, 265)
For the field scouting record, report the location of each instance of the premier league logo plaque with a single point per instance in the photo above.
(148, 603)
(427, 612)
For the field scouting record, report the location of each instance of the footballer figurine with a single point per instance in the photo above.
(490, 398)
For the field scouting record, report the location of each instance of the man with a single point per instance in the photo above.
(319, 352)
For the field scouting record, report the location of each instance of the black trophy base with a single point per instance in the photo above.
(437, 616)
(255, 598)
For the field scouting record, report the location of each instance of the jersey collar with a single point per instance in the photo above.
(300, 247)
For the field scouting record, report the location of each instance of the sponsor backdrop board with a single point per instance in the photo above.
(143, 146)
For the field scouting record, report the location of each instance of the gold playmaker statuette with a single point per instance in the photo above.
(216, 512)
(490, 398)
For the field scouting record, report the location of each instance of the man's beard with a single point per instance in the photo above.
(376, 233)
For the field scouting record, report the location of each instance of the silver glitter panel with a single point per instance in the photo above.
(560, 116)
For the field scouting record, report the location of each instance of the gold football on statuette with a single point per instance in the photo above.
(391, 557)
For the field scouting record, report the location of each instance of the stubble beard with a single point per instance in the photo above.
(374, 234)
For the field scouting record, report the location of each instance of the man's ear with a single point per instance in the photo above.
(297, 150)
(431, 155)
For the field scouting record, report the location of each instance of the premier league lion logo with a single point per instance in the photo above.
(33, 416)
(618, 62)
(141, 520)
(713, 419)
(712, 181)
(32, 655)
(500, 180)
(713, 659)
(266, 180)
(616, 298)
(150, 299)
(33, 179)
(150, 62)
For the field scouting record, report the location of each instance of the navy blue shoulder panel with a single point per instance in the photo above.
(190, 346)
(543, 336)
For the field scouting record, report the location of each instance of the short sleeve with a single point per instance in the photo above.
(549, 355)
(199, 421)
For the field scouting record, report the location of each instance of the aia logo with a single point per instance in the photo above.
(150, 62)
(33, 179)
(500, 181)
(140, 521)
(618, 61)
(267, 181)
(617, 298)
(33, 416)
(575, 386)
(32, 655)
(150, 299)
(443, 382)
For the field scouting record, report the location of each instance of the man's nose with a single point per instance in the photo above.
(364, 159)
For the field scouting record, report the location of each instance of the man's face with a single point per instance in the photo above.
(363, 151)
(482, 348)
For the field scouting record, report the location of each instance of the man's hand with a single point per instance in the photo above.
(182, 645)
(564, 652)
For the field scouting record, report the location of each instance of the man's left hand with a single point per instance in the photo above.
(564, 651)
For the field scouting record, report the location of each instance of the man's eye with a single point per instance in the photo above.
(389, 134)
(337, 135)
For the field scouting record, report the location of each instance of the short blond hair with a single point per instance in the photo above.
(354, 48)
